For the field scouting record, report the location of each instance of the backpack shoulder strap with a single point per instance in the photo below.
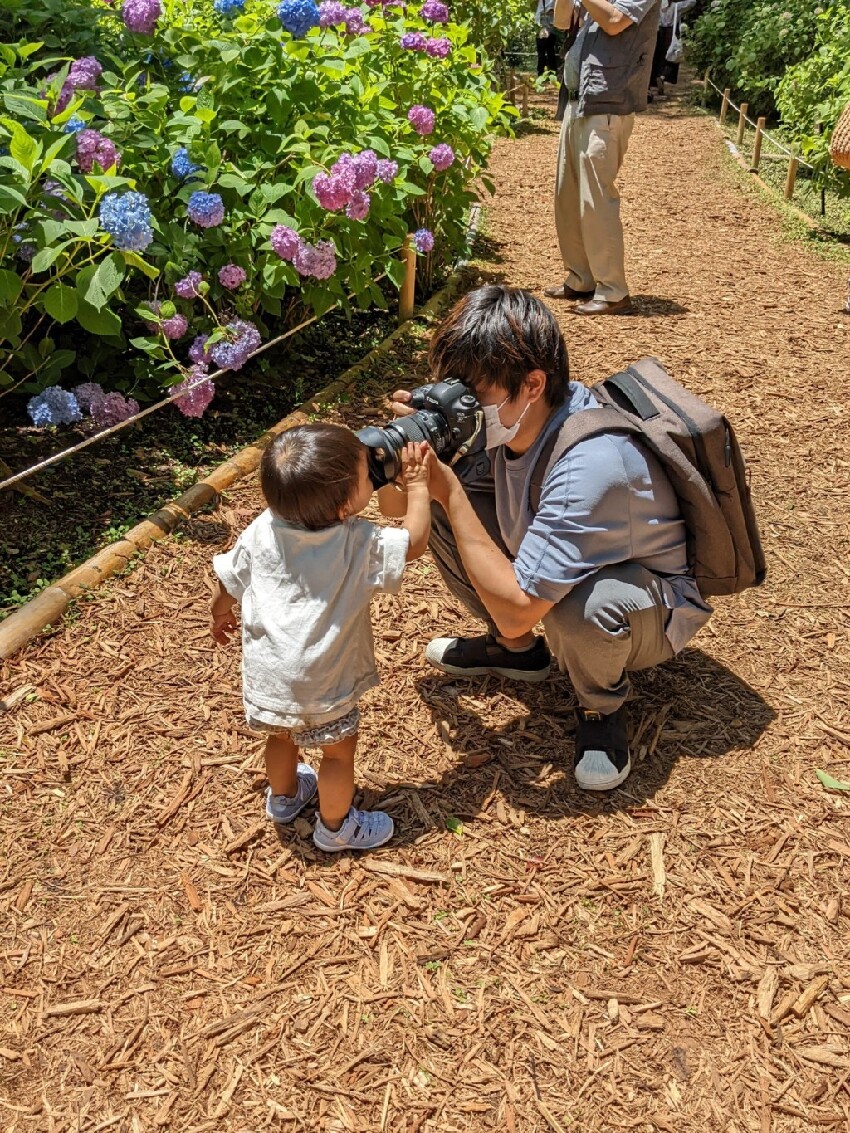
(577, 427)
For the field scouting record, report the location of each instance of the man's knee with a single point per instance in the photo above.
(604, 602)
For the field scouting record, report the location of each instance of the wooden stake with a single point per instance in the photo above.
(724, 106)
(793, 166)
(742, 123)
(757, 144)
(407, 295)
(524, 103)
(705, 87)
(511, 87)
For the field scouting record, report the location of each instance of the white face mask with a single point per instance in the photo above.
(497, 433)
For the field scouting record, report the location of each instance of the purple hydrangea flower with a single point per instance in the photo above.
(421, 119)
(365, 168)
(198, 352)
(127, 219)
(285, 242)
(442, 156)
(334, 189)
(438, 48)
(94, 147)
(355, 24)
(84, 73)
(318, 261)
(358, 207)
(206, 209)
(194, 393)
(233, 352)
(181, 166)
(232, 276)
(228, 7)
(175, 327)
(74, 125)
(187, 287)
(331, 13)
(87, 394)
(141, 15)
(387, 170)
(413, 41)
(298, 16)
(53, 406)
(435, 12)
(112, 409)
(423, 240)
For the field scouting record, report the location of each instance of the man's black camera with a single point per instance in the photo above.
(447, 416)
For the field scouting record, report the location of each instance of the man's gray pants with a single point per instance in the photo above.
(608, 626)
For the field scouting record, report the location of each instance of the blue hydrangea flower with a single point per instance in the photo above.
(206, 209)
(53, 406)
(228, 7)
(186, 81)
(74, 125)
(298, 16)
(181, 166)
(127, 219)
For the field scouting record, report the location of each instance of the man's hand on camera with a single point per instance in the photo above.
(399, 403)
(441, 480)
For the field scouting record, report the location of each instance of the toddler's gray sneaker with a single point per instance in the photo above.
(282, 809)
(361, 830)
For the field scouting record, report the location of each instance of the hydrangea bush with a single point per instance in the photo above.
(213, 171)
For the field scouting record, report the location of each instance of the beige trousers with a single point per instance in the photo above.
(587, 203)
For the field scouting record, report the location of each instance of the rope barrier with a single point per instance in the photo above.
(764, 133)
(50, 460)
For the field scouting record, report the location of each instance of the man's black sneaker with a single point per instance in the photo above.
(478, 656)
(602, 760)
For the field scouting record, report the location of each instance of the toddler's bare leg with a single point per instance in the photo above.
(336, 782)
(281, 763)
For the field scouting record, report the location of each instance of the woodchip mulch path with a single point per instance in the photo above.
(521, 958)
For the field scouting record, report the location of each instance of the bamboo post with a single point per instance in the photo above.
(407, 294)
(757, 144)
(511, 85)
(724, 105)
(524, 103)
(742, 123)
(793, 166)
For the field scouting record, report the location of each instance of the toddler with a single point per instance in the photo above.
(303, 573)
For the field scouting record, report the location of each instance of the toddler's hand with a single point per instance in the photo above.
(415, 459)
(222, 623)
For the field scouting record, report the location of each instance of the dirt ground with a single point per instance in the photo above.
(522, 958)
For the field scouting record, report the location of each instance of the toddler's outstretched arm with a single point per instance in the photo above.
(416, 458)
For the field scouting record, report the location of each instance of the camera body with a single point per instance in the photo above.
(447, 416)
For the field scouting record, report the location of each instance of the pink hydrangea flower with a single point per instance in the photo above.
(232, 276)
(175, 327)
(112, 409)
(194, 393)
(438, 48)
(187, 287)
(422, 119)
(365, 168)
(435, 12)
(318, 261)
(285, 242)
(141, 15)
(358, 207)
(387, 170)
(93, 147)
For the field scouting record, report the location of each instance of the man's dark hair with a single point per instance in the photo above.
(309, 473)
(495, 336)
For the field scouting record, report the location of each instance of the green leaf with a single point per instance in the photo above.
(6, 379)
(133, 259)
(10, 327)
(10, 286)
(61, 303)
(25, 106)
(11, 200)
(96, 284)
(454, 824)
(830, 783)
(47, 256)
(104, 322)
(22, 147)
(396, 271)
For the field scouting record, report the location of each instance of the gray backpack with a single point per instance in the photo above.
(697, 449)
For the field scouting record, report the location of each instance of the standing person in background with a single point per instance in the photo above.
(547, 39)
(663, 71)
(607, 76)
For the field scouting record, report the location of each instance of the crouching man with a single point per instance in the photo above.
(596, 552)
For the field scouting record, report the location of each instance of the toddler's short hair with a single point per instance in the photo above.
(309, 473)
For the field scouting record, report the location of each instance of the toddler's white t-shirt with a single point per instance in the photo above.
(307, 648)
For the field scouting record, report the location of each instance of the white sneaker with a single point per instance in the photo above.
(361, 830)
(282, 809)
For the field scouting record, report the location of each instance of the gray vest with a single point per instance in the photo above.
(615, 68)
